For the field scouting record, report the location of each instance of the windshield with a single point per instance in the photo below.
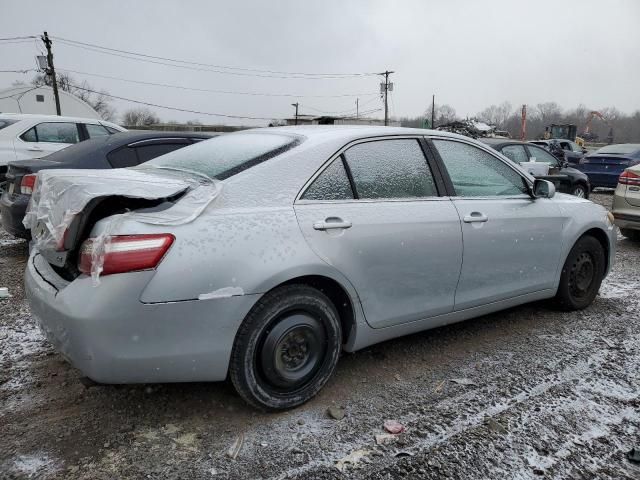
(226, 155)
(622, 149)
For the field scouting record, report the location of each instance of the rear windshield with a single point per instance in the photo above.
(4, 122)
(622, 149)
(226, 155)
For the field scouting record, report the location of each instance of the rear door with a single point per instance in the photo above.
(376, 215)
(512, 243)
(45, 138)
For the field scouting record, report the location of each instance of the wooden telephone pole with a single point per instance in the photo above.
(385, 87)
(51, 71)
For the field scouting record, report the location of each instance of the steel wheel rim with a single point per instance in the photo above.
(292, 351)
(582, 275)
(579, 192)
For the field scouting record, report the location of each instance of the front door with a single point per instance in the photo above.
(374, 214)
(512, 242)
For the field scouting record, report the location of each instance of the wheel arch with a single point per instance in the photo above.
(342, 299)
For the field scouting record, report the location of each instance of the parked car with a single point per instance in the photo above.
(124, 149)
(604, 166)
(626, 203)
(572, 151)
(261, 254)
(566, 179)
(25, 136)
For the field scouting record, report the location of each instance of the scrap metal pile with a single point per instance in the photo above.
(473, 129)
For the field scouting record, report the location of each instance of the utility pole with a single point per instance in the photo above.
(296, 105)
(433, 110)
(385, 88)
(523, 124)
(51, 71)
(357, 108)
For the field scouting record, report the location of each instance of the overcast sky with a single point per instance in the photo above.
(469, 53)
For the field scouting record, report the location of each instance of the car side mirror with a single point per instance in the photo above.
(543, 189)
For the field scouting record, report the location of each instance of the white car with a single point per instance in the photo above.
(24, 136)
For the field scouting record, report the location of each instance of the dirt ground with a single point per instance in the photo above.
(525, 393)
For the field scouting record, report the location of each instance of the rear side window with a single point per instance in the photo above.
(52, 132)
(390, 169)
(331, 184)
(149, 152)
(476, 173)
(95, 131)
(123, 157)
(515, 153)
(226, 155)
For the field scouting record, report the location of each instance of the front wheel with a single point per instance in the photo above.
(582, 274)
(286, 349)
(579, 190)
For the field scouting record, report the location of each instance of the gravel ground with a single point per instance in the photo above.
(525, 393)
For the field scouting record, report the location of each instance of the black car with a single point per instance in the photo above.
(566, 179)
(572, 152)
(125, 149)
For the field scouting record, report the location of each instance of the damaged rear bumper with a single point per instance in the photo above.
(112, 337)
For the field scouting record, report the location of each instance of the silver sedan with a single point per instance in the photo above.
(261, 255)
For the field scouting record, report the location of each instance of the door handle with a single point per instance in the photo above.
(34, 149)
(331, 223)
(475, 217)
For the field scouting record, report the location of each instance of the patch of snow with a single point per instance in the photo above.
(35, 466)
(221, 293)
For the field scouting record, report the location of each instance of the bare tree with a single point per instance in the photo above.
(496, 114)
(99, 101)
(443, 114)
(548, 112)
(139, 117)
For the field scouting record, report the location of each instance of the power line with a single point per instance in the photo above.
(172, 108)
(27, 70)
(24, 37)
(181, 87)
(200, 64)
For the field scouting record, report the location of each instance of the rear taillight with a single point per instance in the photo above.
(629, 178)
(27, 184)
(125, 253)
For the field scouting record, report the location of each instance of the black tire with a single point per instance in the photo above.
(286, 348)
(581, 274)
(633, 235)
(580, 190)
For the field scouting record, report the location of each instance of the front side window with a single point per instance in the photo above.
(52, 132)
(390, 169)
(541, 155)
(226, 155)
(331, 184)
(476, 173)
(515, 153)
(95, 131)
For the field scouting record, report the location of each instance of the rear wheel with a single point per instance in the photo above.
(286, 349)
(581, 274)
(580, 190)
(633, 235)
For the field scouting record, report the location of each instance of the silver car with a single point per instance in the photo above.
(260, 255)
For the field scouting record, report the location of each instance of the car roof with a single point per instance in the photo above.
(348, 132)
(100, 146)
(57, 118)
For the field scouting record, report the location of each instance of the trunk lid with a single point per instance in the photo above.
(17, 169)
(66, 203)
